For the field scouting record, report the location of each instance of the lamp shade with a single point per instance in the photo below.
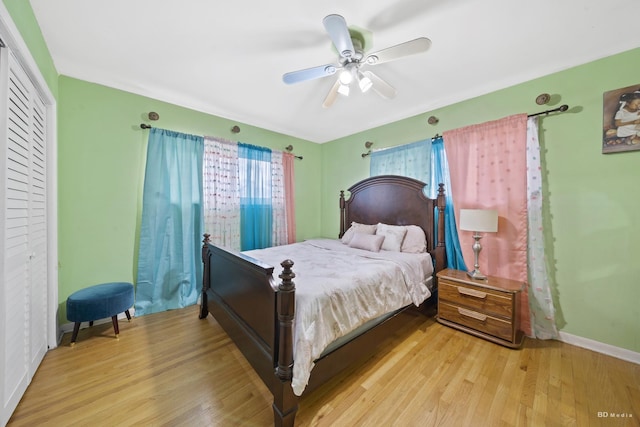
(485, 220)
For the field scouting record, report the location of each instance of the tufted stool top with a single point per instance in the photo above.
(99, 301)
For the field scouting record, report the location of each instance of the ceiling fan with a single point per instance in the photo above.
(352, 62)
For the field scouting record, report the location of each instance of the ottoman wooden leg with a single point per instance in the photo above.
(128, 315)
(76, 328)
(114, 319)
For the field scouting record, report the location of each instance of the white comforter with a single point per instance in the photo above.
(339, 288)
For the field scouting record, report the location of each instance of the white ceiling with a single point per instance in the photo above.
(227, 58)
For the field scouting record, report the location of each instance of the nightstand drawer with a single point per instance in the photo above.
(488, 301)
(479, 321)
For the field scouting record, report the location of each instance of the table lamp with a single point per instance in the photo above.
(478, 220)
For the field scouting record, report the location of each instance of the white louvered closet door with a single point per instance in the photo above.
(23, 268)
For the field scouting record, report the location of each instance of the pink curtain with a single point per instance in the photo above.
(487, 163)
(289, 179)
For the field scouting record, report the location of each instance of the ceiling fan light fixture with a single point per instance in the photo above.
(343, 90)
(364, 82)
(346, 77)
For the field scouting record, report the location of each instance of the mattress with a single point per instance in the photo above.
(339, 289)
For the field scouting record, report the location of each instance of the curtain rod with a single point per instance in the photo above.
(561, 108)
(146, 126)
(368, 153)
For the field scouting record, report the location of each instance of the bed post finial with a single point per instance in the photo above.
(440, 251)
(285, 403)
(286, 313)
(206, 269)
(342, 204)
(441, 205)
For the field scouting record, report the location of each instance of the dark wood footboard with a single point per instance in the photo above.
(257, 315)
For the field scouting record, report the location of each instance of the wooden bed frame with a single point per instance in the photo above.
(239, 291)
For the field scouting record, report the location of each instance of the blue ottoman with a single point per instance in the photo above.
(99, 302)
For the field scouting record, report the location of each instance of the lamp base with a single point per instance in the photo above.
(476, 275)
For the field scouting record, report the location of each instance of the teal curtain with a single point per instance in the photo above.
(440, 175)
(169, 268)
(412, 160)
(256, 211)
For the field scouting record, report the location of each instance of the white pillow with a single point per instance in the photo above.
(357, 228)
(368, 242)
(393, 236)
(415, 241)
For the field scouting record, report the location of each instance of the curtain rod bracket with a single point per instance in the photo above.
(289, 148)
(367, 145)
(543, 99)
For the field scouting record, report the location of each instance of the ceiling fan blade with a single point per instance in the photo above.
(381, 87)
(332, 95)
(309, 74)
(337, 29)
(421, 44)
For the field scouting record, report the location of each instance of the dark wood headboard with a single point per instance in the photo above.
(396, 200)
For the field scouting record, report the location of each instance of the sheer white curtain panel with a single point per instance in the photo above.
(221, 192)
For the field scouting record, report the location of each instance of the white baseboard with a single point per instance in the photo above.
(610, 350)
(68, 327)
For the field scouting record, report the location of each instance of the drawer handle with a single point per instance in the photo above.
(472, 293)
(472, 314)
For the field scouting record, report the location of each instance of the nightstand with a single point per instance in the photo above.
(485, 308)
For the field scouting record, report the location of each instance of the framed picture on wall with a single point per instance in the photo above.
(621, 120)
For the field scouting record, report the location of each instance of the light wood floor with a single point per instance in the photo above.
(172, 369)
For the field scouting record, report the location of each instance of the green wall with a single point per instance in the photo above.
(591, 203)
(101, 162)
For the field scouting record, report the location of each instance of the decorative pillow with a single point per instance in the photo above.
(393, 236)
(357, 228)
(368, 242)
(415, 241)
